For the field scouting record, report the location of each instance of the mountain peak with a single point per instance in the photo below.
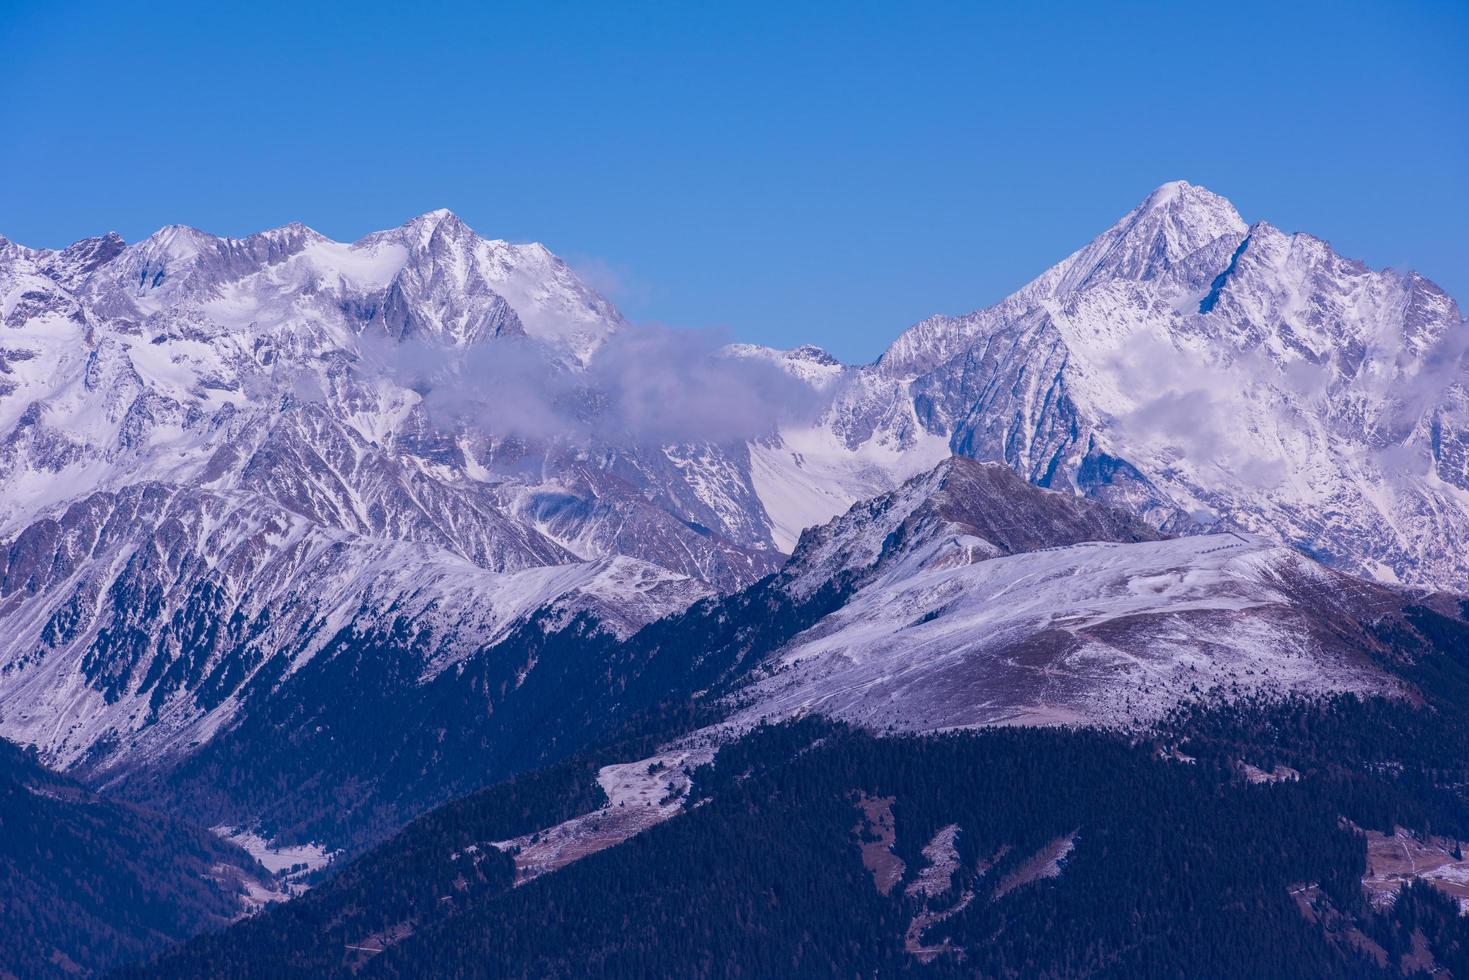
(293, 230)
(1174, 221)
(1167, 193)
(813, 353)
(176, 230)
(177, 236)
(960, 510)
(435, 217)
(438, 221)
(84, 256)
(1191, 206)
(162, 254)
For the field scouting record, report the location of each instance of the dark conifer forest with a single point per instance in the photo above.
(86, 882)
(1175, 868)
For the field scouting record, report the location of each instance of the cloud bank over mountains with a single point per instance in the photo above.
(644, 386)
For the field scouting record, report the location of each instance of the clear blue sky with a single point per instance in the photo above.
(792, 172)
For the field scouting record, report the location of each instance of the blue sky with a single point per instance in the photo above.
(789, 172)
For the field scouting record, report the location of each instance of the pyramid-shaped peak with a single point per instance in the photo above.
(1174, 221)
(1170, 192)
(435, 217)
(1183, 197)
(176, 242)
(439, 220)
(178, 232)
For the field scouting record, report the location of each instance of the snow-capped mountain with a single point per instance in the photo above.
(215, 459)
(1195, 369)
(291, 365)
(223, 460)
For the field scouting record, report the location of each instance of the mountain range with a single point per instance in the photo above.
(300, 540)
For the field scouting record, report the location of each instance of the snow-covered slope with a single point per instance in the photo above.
(1193, 368)
(131, 624)
(983, 600)
(958, 512)
(1099, 633)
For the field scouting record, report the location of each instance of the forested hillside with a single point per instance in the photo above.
(813, 849)
(87, 883)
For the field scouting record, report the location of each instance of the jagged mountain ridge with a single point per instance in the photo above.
(1113, 373)
(211, 470)
(276, 360)
(139, 618)
(196, 360)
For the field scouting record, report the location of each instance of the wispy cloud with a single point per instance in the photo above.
(646, 386)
